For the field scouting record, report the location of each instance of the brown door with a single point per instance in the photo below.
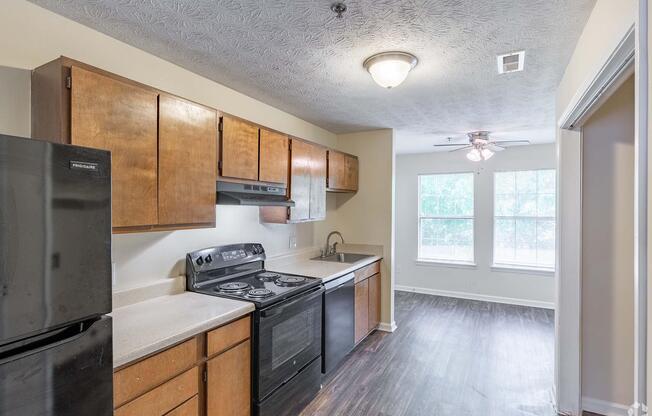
(300, 182)
(187, 162)
(317, 183)
(228, 387)
(239, 149)
(274, 157)
(351, 170)
(374, 301)
(336, 175)
(361, 310)
(122, 118)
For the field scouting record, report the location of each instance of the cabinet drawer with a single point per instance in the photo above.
(367, 271)
(225, 337)
(165, 398)
(189, 408)
(143, 376)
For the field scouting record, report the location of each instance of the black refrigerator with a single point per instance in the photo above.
(55, 279)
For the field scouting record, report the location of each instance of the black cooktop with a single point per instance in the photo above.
(261, 287)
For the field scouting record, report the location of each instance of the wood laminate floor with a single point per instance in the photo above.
(448, 357)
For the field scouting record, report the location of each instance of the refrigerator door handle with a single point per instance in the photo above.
(38, 343)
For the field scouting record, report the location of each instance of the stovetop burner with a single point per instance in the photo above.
(233, 287)
(268, 276)
(259, 293)
(290, 280)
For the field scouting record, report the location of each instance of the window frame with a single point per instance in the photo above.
(444, 261)
(526, 267)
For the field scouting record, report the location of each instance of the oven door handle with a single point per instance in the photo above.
(277, 309)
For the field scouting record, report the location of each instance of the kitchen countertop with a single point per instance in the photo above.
(324, 270)
(146, 327)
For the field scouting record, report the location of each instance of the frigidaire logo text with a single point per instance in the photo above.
(83, 165)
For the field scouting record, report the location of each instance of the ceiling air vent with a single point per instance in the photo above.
(510, 62)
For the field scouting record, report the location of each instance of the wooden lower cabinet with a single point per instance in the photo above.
(367, 301)
(228, 391)
(361, 310)
(193, 378)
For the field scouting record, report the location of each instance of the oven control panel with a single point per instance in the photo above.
(223, 256)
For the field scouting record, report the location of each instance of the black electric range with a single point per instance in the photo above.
(286, 328)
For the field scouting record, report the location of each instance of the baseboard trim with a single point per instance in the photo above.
(475, 296)
(604, 408)
(385, 327)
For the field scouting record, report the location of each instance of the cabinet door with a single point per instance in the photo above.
(361, 310)
(317, 183)
(301, 180)
(274, 157)
(336, 173)
(239, 149)
(228, 386)
(351, 170)
(374, 302)
(122, 118)
(187, 162)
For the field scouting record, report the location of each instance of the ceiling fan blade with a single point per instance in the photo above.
(495, 148)
(461, 148)
(450, 144)
(500, 142)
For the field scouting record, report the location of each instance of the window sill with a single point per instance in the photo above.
(522, 269)
(444, 263)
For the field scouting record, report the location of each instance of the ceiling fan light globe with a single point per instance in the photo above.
(474, 155)
(486, 154)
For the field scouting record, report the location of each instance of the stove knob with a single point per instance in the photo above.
(199, 261)
(208, 259)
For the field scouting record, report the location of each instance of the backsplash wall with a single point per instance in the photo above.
(145, 258)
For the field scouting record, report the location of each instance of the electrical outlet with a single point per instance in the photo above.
(293, 241)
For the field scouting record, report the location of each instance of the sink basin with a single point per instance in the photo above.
(344, 257)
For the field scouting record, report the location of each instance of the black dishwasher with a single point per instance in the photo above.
(339, 321)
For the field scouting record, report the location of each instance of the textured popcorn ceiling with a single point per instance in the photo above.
(295, 55)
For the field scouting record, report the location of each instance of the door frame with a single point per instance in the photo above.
(629, 56)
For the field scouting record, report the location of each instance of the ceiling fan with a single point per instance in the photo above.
(481, 146)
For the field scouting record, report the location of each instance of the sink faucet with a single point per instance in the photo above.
(328, 250)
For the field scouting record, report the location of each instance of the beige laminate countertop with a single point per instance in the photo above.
(325, 270)
(145, 327)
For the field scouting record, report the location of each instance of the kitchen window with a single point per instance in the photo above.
(524, 219)
(446, 218)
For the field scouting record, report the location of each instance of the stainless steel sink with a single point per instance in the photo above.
(344, 257)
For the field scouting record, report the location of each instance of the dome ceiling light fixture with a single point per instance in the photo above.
(389, 69)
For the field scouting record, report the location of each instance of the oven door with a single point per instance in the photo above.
(288, 338)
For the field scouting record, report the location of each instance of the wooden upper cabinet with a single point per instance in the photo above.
(300, 182)
(342, 172)
(108, 114)
(318, 183)
(187, 162)
(239, 149)
(274, 157)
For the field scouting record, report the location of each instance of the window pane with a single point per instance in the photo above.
(524, 223)
(448, 195)
(504, 241)
(446, 239)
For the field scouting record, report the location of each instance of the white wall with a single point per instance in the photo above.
(479, 281)
(366, 216)
(608, 23)
(14, 101)
(608, 251)
(31, 36)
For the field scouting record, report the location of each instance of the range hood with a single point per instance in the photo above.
(233, 193)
